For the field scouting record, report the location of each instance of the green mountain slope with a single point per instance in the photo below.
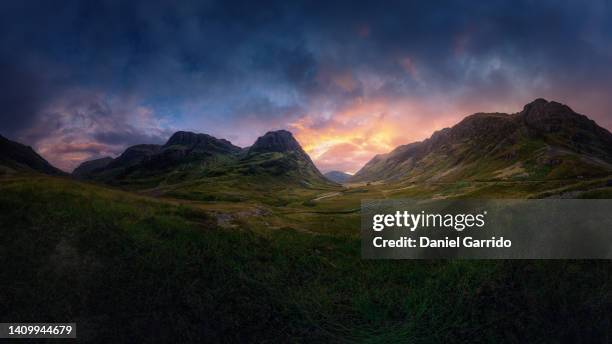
(146, 160)
(15, 157)
(274, 171)
(278, 153)
(192, 164)
(88, 168)
(547, 140)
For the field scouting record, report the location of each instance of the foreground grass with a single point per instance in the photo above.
(129, 268)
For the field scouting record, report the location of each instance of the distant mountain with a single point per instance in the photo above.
(16, 157)
(547, 140)
(181, 148)
(337, 176)
(88, 168)
(134, 155)
(190, 156)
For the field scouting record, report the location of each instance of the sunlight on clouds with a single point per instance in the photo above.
(348, 138)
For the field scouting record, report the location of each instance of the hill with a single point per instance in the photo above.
(90, 167)
(337, 176)
(546, 140)
(16, 157)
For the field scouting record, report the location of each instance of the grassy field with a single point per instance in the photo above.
(210, 261)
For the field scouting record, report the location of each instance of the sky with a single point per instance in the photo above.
(350, 79)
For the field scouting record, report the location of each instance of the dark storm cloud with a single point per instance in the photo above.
(216, 64)
(20, 97)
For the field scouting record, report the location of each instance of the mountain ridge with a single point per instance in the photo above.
(17, 157)
(197, 155)
(544, 140)
(90, 166)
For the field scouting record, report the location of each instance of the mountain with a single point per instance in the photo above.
(192, 156)
(278, 153)
(88, 168)
(182, 147)
(134, 155)
(546, 140)
(189, 145)
(146, 160)
(16, 157)
(337, 176)
(276, 141)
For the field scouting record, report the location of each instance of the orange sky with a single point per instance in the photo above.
(351, 137)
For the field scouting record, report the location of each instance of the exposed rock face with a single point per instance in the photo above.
(88, 167)
(18, 157)
(201, 142)
(276, 141)
(548, 116)
(548, 137)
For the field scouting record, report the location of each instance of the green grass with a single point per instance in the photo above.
(130, 268)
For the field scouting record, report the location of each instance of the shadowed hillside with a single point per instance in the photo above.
(15, 157)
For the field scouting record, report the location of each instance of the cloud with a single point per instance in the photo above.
(89, 78)
(87, 125)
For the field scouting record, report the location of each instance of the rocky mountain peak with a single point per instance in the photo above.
(276, 141)
(184, 143)
(541, 108)
(187, 138)
(183, 138)
(550, 117)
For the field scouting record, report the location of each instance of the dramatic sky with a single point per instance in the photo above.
(350, 79)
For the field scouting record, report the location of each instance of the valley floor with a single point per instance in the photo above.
(203, 262)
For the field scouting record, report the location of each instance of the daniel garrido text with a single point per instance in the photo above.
(404, 220)
(456, 242)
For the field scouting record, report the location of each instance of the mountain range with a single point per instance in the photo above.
(544, 141)
(187, 156)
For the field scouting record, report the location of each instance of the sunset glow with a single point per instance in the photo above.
(348, 87)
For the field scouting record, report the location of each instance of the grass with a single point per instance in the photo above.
(133, 268)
